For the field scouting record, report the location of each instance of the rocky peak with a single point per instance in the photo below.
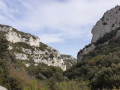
(110, 21)
(15, 36)
(108, 27)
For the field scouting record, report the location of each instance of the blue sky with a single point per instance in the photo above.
(62, 24)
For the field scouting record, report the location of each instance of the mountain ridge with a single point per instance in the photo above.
(28, 47)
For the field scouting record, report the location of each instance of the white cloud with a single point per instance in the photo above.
(67, 16)
(50, 38)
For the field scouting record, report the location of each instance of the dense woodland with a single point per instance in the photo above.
(101, 67)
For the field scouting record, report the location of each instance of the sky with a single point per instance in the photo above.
(62, 24)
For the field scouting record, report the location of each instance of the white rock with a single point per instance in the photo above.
(27, 65)
(109, 22)
(2, 88)
(37, 55)
(10, 47)
(15, 37)
(21, 56)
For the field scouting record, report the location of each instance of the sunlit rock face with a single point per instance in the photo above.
(14, 36)
(110, 21)
(30, 50)
(2, 88)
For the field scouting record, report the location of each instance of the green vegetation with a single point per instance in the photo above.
(43, 71)
(100, 67)
(51, 56)
(13, 74)
(3, 45)
(24, 35)
(43, 46)
(107, 36)
(19, 45)
(72, 85)
(68, 61)
(3, 25)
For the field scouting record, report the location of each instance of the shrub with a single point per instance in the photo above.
(94, 60)
(72, 85)
(107, 37)
(3, 45)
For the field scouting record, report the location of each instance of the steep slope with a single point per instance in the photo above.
(29, 49)
(99, 62)
(110, 22)
(14, 75)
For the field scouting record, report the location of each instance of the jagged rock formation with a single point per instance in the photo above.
(29, 49)
(110, 22)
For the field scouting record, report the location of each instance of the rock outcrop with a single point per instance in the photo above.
(85, 50)
(14, 36)
(30, 50)
(108, 23)
(2, 88)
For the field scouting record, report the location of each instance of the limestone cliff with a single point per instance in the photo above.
(110, 21)
(108, 27)
(15, 36)
(30, 50)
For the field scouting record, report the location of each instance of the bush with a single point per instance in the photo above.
(3, 45)
(71, 85)
(3, 72)
(43, 71)
(107, 37)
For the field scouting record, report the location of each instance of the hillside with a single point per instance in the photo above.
(99, 62)
(28, 64)
(30, 50)
(110, 22)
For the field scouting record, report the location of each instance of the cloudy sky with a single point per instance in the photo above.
(62, 24)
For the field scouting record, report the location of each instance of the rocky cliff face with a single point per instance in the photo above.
(110, 21)
(108, 27)
(14, 36)
(30, 50)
